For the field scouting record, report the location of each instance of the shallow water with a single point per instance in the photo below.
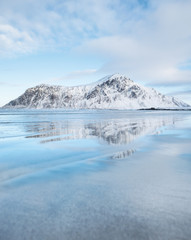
(95, 175)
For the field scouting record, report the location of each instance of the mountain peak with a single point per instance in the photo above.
(115, 91)
(115, 77)
(118, 76)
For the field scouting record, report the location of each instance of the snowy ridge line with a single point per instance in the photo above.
(111, 92)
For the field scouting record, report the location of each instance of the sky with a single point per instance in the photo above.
(70, 42)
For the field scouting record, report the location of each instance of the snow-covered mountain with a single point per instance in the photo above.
(112, 92)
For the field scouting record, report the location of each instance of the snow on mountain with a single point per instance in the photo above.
(112, 92)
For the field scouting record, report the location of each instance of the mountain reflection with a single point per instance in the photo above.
(111, 131)
(123, 154)
(69, 144)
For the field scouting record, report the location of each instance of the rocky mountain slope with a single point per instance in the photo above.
(112, 92)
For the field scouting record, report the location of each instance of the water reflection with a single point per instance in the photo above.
(55, 143)
(96, 176)
(113, 132)
(123, 154)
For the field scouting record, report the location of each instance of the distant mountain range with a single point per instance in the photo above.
(112, 92)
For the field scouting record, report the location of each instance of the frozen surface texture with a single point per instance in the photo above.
(97, 174)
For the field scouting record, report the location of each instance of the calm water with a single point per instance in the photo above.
(100, 175)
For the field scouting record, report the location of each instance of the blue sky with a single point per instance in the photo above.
(69, 42)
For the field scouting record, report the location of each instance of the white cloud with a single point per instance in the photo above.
(74, 75)
(151, 48)
(14, 40)
(56, 23)
(148, 42)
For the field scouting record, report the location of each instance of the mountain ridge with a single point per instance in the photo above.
(111, 92)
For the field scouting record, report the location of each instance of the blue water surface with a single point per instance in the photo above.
(95, 174)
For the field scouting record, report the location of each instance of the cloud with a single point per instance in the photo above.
(14, 40)
(28, 26)
(75, 75)
(147, 40)
(150, 47)
(183, 92)
(9, 84)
